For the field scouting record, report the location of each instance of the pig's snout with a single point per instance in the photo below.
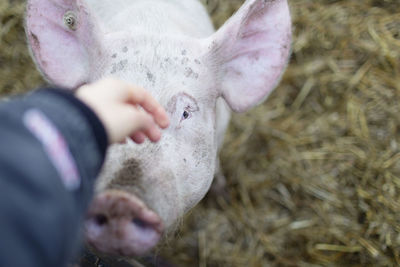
(119, 223)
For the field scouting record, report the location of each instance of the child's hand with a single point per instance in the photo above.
(117, 105)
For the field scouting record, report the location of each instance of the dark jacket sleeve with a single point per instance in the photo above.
(51, 149)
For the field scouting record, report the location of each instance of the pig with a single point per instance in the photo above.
(170, 48)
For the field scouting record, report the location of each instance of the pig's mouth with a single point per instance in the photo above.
(120, 224)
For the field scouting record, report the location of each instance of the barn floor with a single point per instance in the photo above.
(313, 174)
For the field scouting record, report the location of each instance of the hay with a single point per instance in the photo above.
(314, 173)
(17, 71)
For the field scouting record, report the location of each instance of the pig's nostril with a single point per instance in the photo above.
(140, 223)
(101, 219)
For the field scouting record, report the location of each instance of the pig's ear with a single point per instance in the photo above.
(63, 38)
(251, 52)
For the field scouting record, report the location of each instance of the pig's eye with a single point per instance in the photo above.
(186, 114)
(182, 107)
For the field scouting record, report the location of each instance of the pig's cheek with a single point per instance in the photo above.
(199, 173)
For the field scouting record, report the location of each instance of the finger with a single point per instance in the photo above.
(123, 142)
(145, 124)
(139, 96)
(152, 132)
(138, 137)
(126, 120)
(140, 120)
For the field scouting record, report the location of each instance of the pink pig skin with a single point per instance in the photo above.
(170, 48)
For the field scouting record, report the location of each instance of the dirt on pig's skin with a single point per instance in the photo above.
(313, 173)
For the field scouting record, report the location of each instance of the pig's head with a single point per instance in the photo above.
(145, 189)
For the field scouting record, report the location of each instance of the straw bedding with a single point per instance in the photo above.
(313, 174)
